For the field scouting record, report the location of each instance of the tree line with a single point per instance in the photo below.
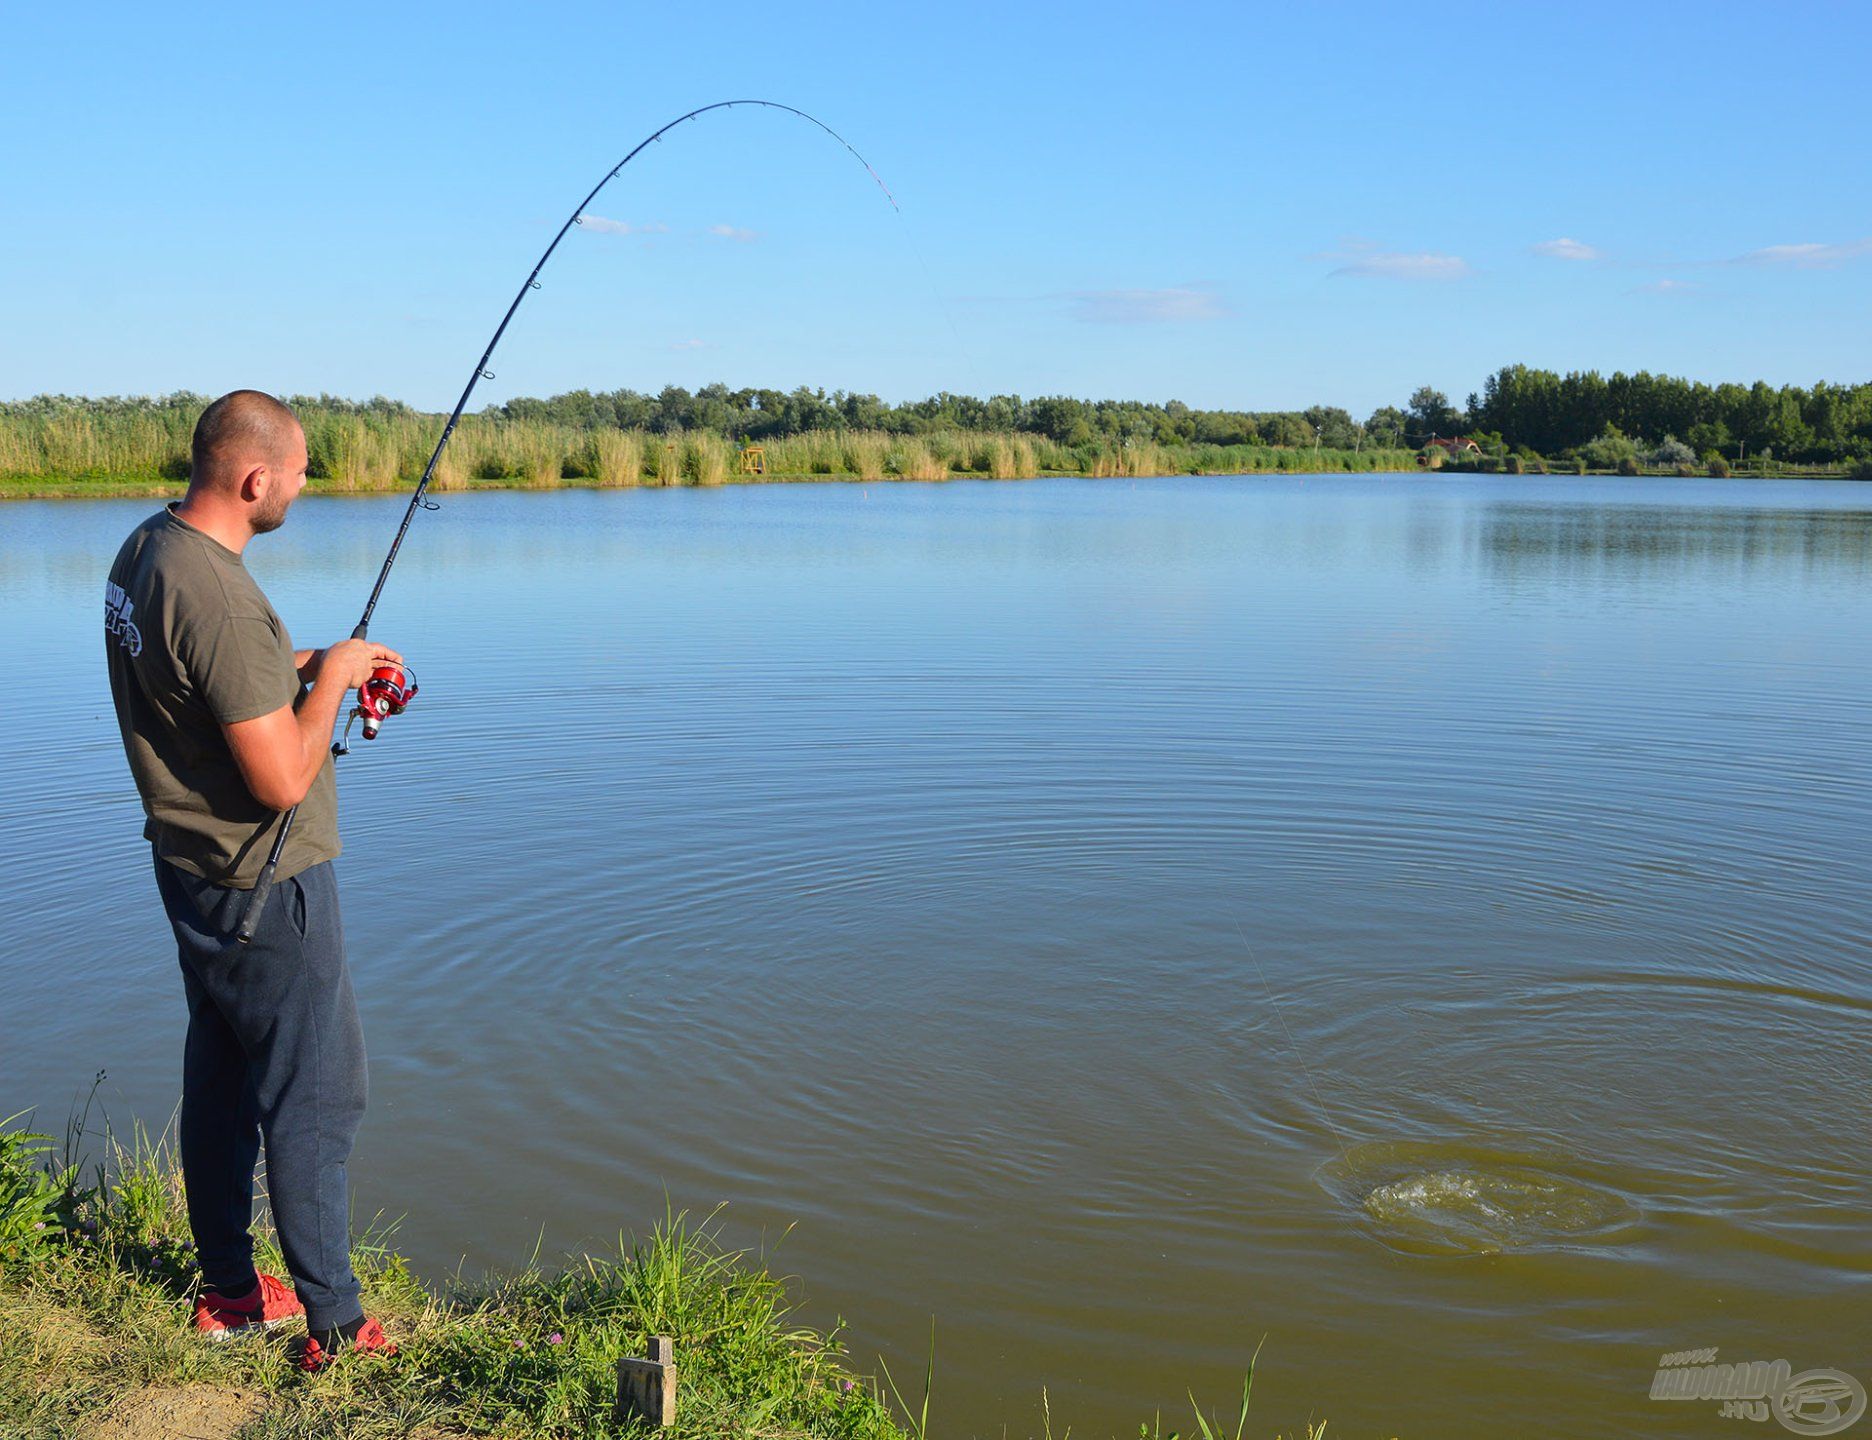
(1519, 411)
(762, 414)
(1550, 414)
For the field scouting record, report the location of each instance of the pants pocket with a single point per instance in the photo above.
(296, 907)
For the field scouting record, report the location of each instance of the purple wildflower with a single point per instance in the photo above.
(555, 1338)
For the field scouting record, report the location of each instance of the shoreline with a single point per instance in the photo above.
(54, 487)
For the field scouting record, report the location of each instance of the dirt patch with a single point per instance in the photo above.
(178, 1412)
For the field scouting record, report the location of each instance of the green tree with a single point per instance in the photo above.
(1385, 428)
(1289, 430)
(1334, 427)
(1708, 436)
(1429, 413)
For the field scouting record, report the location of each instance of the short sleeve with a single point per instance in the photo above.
(240, 670)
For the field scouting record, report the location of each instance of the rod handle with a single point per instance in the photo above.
(256, 903)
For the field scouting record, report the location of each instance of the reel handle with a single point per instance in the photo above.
(257, 897)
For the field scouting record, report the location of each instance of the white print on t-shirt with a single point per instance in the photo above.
(117, 608)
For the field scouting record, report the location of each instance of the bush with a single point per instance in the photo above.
(1609, 449)
(1717, 466)
(1673, 452)
(29, 1196)
(1862, 468)
(1512, 465)
(1628, 465)
(1579, 464)
(1684, 472)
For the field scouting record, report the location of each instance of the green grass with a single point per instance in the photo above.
(97, 1282)
(97, 1304)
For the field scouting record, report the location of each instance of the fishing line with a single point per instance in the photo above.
(263, 886)
(1279, 1015)
(964, 350)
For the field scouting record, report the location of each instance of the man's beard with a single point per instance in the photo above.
(270, 516)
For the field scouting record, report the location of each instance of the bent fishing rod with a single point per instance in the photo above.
(390, 687)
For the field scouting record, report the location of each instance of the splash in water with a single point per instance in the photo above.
(1455, 1200)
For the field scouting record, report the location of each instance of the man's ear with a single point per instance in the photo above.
(254, 483)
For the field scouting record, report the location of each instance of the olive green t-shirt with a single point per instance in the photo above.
(193, 645)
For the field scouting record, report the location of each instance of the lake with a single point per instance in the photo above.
(1420, 926)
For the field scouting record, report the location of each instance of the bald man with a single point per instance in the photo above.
(225, 726)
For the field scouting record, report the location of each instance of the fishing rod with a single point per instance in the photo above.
(391, 687)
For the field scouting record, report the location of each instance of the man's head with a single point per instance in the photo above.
(248, 456)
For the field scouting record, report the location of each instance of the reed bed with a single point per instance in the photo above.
(614, 457)
(912, 460)
(55, 447)
(74, 444)
(704, 458)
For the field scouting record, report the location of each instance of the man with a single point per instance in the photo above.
(222, 734)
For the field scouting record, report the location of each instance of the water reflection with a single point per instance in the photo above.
(1587, 543)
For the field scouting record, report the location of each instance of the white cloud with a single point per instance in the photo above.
(1665, 287)
(691, 345)
(1362, 258)
(733, 232)
(1565, 249)
(621, 227)
(1808, 256)
(1146, 307)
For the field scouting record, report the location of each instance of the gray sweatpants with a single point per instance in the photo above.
(274, 1050)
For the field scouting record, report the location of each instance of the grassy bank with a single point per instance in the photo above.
(97, 1282)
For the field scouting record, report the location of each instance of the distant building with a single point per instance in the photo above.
(1454, 448)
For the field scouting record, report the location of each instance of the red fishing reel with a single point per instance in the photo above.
(388, 692)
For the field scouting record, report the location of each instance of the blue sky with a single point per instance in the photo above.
(1235, 205)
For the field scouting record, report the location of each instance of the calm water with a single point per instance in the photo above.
(1424, 923)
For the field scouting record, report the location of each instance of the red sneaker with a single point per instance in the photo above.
(370, 1341)
(222, 1317)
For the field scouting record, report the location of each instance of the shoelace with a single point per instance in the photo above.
(272, 1290)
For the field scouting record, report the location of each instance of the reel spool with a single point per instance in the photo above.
(388, 692)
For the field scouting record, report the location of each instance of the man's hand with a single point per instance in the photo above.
(349, 663)
(281, 754)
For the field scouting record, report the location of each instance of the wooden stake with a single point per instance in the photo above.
(647, 1387)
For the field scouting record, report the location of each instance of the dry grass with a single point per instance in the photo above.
(614, 457)
(912, 460)
(704, 458)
